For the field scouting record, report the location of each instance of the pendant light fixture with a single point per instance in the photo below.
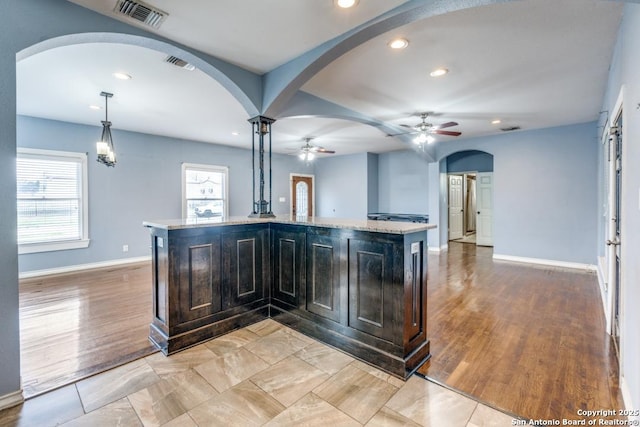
(104, 147)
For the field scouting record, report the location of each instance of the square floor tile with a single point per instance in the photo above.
(429, 404)
(231, 368)
(289, 379)
(242, 405)
(181, 361)
(171, 397)
(112, 385)
(116, 414)
(324, 357)
(231, 341)
(49, 409)
(265, 327)
(276, 346)
(386, 417)
(356, 392)
(312, 411)
(183, 420)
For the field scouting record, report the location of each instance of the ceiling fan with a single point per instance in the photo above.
(424, 130)
(308, 151)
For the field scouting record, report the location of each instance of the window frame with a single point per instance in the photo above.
(205, 168)
(61, 245)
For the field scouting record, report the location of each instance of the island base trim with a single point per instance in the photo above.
(170, 345)
(399, 367)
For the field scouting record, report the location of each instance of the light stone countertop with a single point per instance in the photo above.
(390, 227)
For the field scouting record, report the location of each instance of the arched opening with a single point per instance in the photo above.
(468, 197)
(138, 116)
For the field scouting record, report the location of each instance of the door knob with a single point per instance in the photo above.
(478, 212)
(614, 242)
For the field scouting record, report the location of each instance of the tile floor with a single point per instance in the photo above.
(264, 374)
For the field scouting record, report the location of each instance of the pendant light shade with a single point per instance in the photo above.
(104, 147)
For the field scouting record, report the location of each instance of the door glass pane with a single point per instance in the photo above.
(302, 197)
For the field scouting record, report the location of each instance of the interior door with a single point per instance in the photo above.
(613, 231)
(456, 207)
(302, 195)
(484, 204)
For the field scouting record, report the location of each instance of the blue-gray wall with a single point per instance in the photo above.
(545, 198)
(372, 182)
(341, 186)
(403, 179)
(625, 72)
(144, 185)
(470, 161)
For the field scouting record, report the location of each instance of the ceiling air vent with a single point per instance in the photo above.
(510, 128)
(179, 63)
(140, 11)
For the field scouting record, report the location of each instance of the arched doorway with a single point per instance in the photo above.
(469, 197)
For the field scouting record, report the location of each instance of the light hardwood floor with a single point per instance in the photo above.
(527, 340)
(76, 325)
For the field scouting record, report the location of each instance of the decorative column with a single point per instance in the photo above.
(261, 126)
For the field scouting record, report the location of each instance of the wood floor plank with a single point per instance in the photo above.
(529, 340)
(75, 325)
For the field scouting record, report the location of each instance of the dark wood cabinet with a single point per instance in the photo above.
(207, 281)
(363, 292)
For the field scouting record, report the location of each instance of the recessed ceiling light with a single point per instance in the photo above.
(234, 133)
(438, 72)
(496, 122)
(346, 4)
(95, 107)
(398, 43)
(122, 76)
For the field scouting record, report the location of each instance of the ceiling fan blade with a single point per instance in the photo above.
(325, 151)
(446, 132)
(446, 125)
(407, 126)
(404, 133)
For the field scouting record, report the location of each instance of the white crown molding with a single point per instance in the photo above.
(549, 262)
(81, 267)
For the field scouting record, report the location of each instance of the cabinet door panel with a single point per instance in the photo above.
(323, 276)
(288, 265)
(242, 254)
(199, 291)
(370, 288)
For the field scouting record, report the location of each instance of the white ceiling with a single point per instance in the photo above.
(531, 63)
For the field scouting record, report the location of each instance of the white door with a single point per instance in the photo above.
(613, 229)
(484, 205)
(456, 211)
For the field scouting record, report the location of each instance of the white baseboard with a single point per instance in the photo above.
(11, 399)
(442, 248)
(626, 397)
(81, 267)
(549, 262)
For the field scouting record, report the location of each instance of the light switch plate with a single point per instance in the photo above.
(282, 199)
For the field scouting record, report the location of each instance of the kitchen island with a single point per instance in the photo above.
(357, 285)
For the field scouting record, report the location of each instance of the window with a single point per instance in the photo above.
(52, 200)
(204, 190)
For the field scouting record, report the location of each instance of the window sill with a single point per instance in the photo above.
(33, 248)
